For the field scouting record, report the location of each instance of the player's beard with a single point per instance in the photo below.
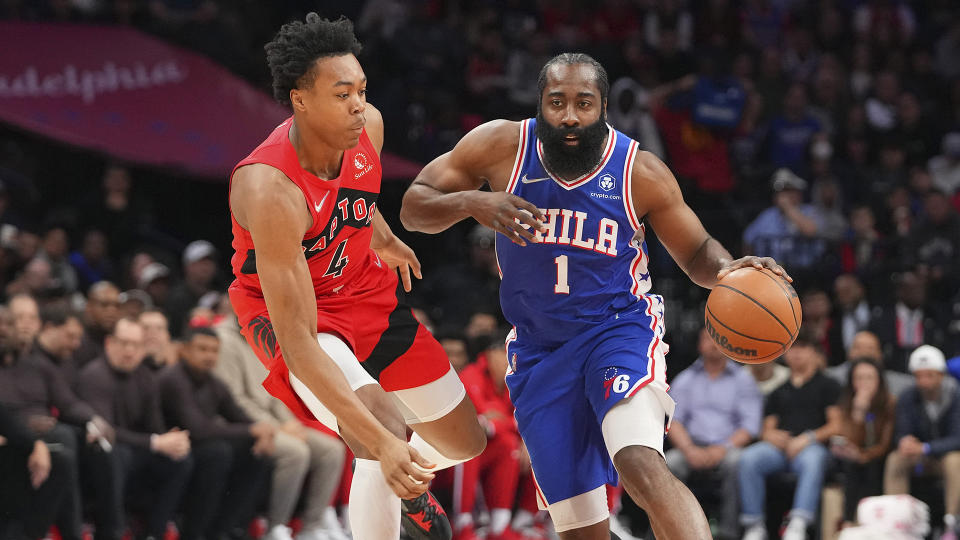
(567, 161)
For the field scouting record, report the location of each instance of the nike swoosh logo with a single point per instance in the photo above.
(319, 205)
(526, 180)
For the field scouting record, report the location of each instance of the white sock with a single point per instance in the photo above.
(432, 455)
(499, 519)
(462, 521)
(374, 508)
(522, 519)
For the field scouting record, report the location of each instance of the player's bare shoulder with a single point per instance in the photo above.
(489, 151)
(652, 183)
(260, 188)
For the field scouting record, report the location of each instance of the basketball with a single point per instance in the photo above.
(753, 315)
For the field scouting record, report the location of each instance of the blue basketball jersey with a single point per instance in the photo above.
(591, 262)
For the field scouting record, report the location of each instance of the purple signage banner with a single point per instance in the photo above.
(136, 98)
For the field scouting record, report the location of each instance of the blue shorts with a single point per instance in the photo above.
(562, 394)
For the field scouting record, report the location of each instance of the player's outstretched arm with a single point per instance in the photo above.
(269, 206)
(657, 198)
(446, 190)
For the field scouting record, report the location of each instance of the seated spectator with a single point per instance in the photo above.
(26, 321)
(497, 470)
(455, 345)
(927, 433)
(718, 413)
(33, 388)
(146, 458)
(199, 272)
(160, 350)
(35, 481)
(59, 339)
(301, 452)
(867, 418)
(801, 415)
(933, 246)
(102, 312)
(230, 452)
(852, 310)
(945, 168)
(790, 133)
(92, 262)
(866, 346)
(55, 249)
(769, 376)
(910, 322)
(786, 231)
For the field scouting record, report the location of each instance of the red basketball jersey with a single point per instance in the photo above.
(337, 246)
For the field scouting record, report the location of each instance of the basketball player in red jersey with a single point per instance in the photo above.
(316, 288)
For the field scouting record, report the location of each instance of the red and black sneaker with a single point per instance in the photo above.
(424, 519)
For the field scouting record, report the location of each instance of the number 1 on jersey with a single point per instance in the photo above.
(562, 287)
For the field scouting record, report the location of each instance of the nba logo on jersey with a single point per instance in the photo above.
(607, 182)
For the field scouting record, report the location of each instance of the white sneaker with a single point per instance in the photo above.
(796, 530)
(757, 531)
(279, 532)
(617, 527)
(314, 533)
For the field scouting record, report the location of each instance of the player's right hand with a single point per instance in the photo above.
(406, 471)
(500, 211)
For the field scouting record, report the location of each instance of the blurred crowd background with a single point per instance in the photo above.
(823, 133)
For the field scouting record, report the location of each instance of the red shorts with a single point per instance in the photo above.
(391, 344)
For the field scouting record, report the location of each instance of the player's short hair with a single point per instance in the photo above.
(602, 80)
(297, 46)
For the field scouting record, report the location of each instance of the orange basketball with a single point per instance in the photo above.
(753, 315)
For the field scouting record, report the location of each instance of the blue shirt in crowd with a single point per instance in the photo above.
(711, 410)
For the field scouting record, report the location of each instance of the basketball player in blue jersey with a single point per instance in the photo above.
(571, 198)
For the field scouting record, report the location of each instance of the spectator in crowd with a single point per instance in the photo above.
(300, 452)
(852, 309)
(26, 321)
(910, 322)
(769, 376)
(945, 167)
(102, 312)
(160, 350)
(718, 414)
(800, 417)
(927, 433)
(496, 471)
(457, 290)
(32, 387)
(818, 323)
(36, 279)
(863, 250)
(92, 261)
(790, 133)
(55, 249)
(866, 345)
(934, 245)
(199, 272)
(146, 459)
(134, 302)
(867, 421)
(59, 338)
(154, 278)
(455, 345)
(231, 453)
(828, 209)
(34, 480)
(787, 230)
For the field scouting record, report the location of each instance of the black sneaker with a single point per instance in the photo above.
(424, 519)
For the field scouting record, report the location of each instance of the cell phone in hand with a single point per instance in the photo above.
(838, 440)
(99, 437)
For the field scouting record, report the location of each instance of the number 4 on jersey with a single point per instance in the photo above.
(338, 262)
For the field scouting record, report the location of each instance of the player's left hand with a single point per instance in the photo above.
(398, 255)
(753, 261)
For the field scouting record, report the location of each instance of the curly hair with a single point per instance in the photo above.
(297, 46)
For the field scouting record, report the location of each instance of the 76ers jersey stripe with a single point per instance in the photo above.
(591, 261)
